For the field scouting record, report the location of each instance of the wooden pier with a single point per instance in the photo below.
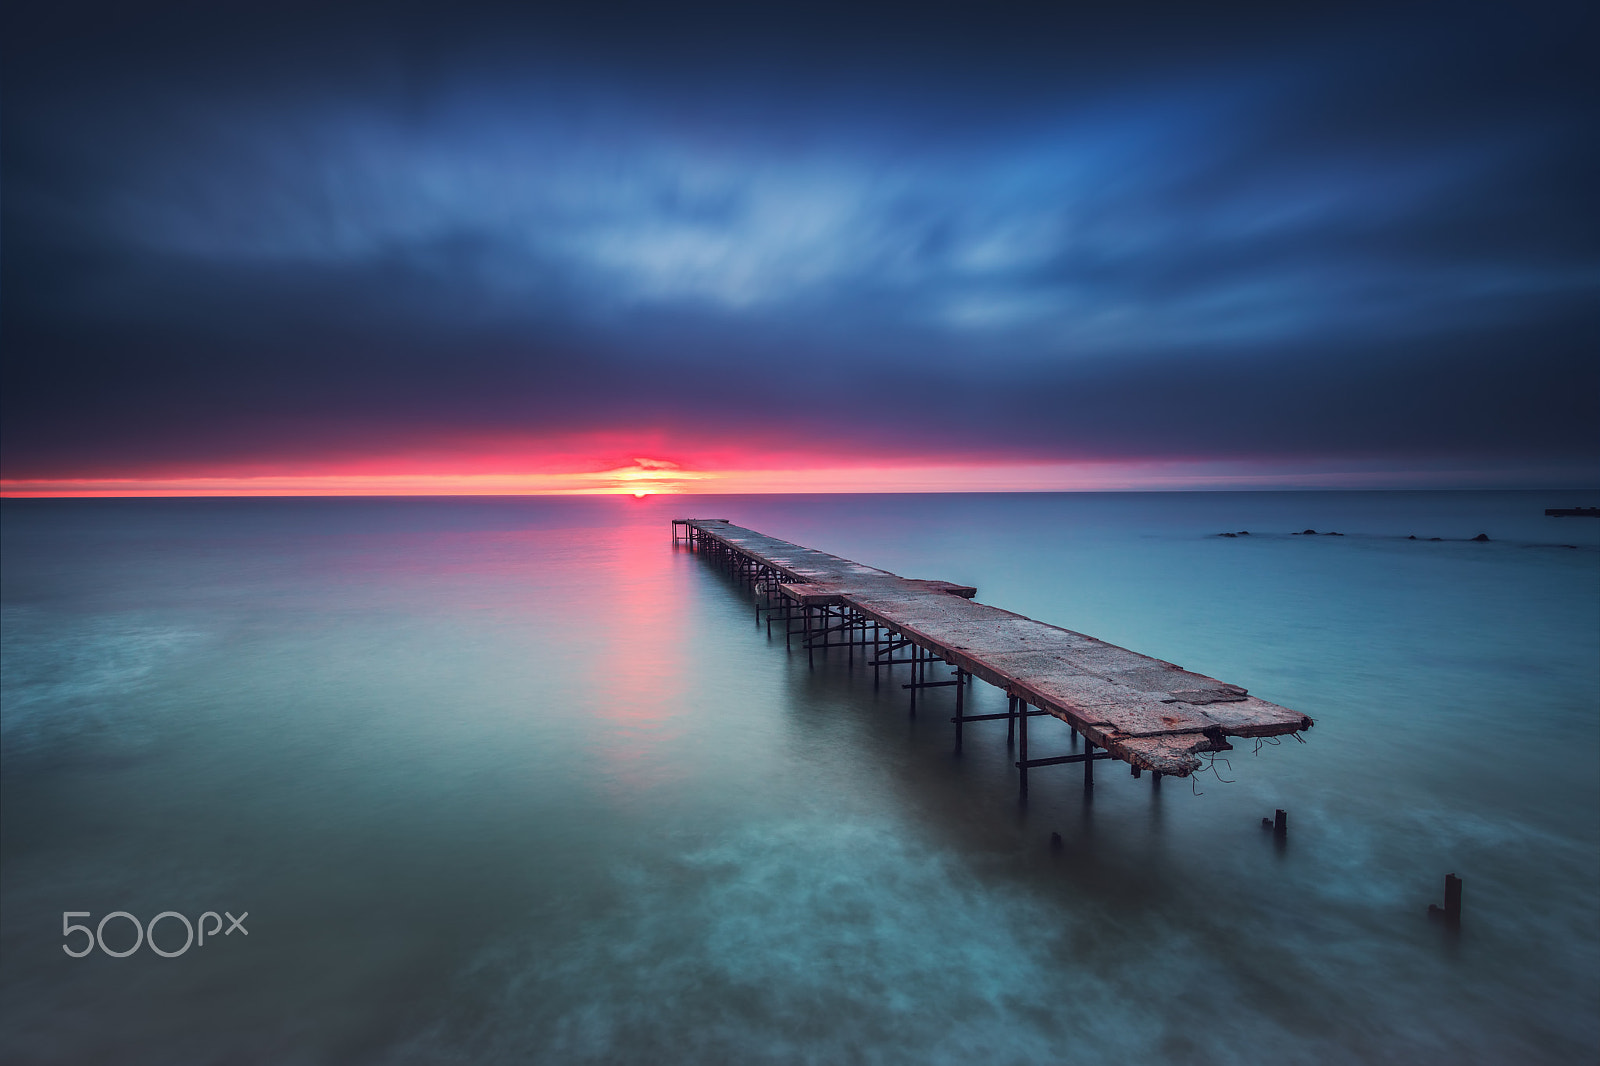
(1146, 712)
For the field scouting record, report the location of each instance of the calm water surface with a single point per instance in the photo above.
(517, 780)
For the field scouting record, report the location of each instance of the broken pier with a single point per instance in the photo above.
(1146, 712)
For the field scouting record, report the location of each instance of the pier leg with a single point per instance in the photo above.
(1088, 764)
(811, 653)
(1022, 748)
(960, 706)
(916, 668)
(1011, 719)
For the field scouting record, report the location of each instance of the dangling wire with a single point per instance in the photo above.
(1211, 760)
(1211, 765)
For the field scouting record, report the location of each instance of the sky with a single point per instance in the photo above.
(343, 249)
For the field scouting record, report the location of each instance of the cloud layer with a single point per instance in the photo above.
(488, 242)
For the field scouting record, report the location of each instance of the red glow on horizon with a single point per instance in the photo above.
(645, 476)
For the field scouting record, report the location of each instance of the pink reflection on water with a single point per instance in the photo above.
(640, 675)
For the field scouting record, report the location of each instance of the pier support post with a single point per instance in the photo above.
(961, 707)
(1022, 749)
(916, 678)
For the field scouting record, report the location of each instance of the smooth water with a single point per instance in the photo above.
(519, 780)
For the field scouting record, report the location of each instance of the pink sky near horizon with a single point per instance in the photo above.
(825, 474)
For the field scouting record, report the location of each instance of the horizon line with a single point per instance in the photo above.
(649, 476)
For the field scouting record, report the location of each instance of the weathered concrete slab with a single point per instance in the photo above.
(812, 595)
(1176, 753)
(1251, 717)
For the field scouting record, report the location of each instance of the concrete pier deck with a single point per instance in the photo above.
(1149, 713)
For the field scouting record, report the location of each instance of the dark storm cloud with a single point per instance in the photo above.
(1157, 235)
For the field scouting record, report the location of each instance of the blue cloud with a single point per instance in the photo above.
(1005, 225)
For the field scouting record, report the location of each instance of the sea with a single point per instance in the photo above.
(522, 780)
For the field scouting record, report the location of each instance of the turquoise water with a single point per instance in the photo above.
(518, 780)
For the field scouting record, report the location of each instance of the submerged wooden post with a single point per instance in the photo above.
(1452, 903)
